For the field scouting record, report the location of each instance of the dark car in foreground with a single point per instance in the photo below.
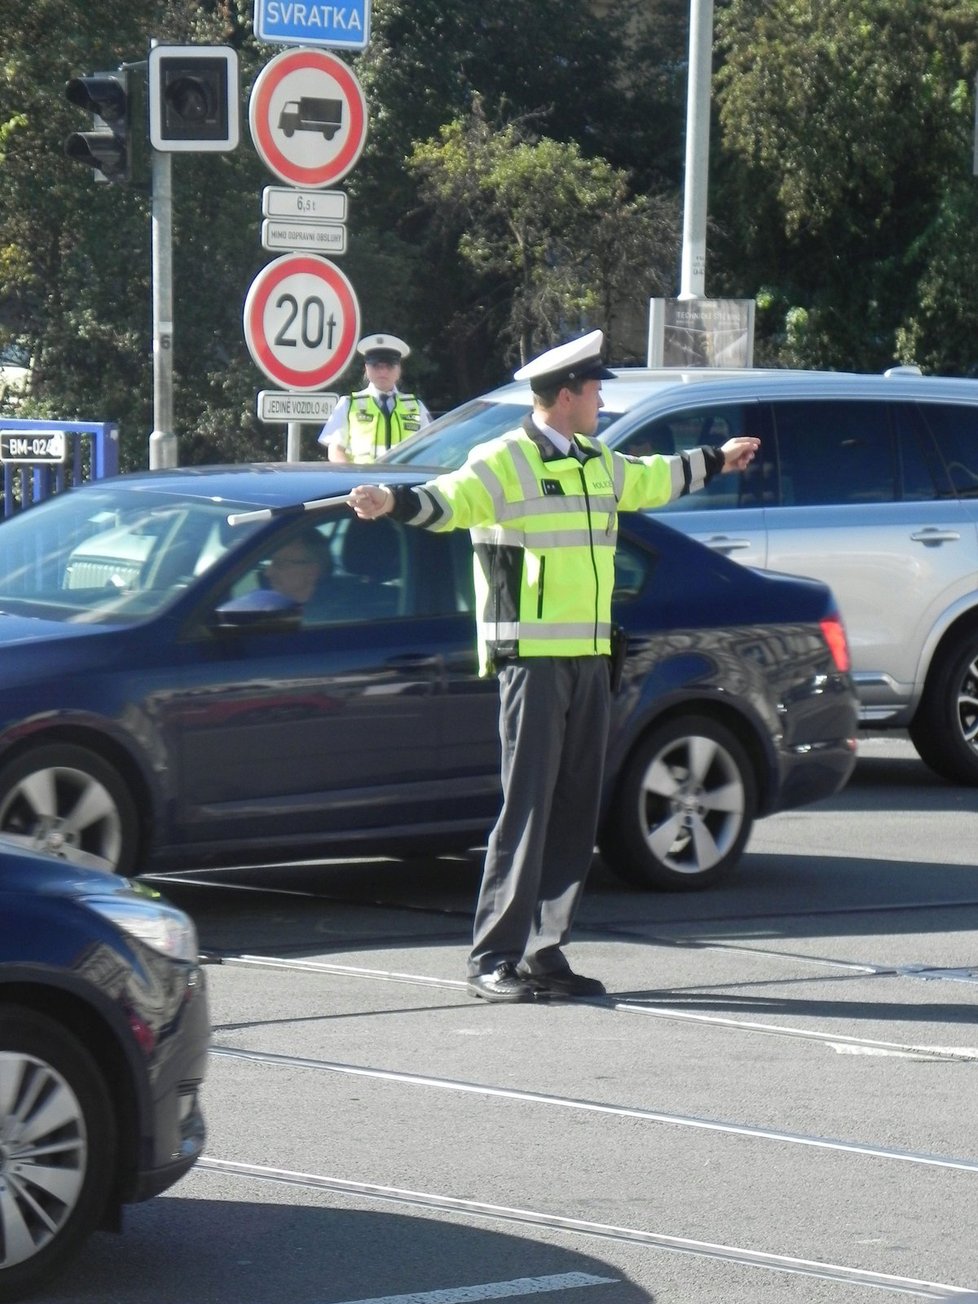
(103, 1042)
(162, 702)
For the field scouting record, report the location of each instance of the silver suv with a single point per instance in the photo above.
(867, 482)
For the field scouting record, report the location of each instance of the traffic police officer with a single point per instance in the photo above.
(367, 422)
(542, 504)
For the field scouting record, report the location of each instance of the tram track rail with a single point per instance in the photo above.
(759, 957)
(475, 1209)
(963, 1054)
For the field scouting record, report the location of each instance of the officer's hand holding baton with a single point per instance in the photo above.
(371, 500)
(738, 453)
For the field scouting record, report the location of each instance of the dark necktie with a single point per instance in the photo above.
(387, 407)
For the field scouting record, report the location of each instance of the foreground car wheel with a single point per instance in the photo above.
(68, 802)
(945, 728)
(684, 808)
(57, 1148)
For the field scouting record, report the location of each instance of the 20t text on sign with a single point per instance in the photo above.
(301, 321)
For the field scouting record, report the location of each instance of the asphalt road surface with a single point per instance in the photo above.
(776, 1102)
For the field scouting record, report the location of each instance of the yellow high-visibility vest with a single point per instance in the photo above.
(544, 532)
(368, 429)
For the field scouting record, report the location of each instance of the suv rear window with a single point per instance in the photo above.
(835, 452)
(955, 428)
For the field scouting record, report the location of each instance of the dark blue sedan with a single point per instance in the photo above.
(103, 1044)
(178, 686)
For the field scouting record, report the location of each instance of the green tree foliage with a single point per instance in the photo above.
(842, 122)
(75, 256)
(553, 237)
(75, 261)
(606, 77)
(940, 328)
(521, 179)
(51, 295)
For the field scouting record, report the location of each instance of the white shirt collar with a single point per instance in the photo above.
(374, 392)
(559, 441)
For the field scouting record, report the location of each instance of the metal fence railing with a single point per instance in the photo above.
(39, 458)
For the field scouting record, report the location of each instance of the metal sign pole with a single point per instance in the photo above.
(163, 440)
(294, 442)
(693, 273)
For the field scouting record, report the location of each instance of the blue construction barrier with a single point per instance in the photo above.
(40, 458)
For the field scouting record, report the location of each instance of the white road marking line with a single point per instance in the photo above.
(680, 1244)
(834, 1039)
(348, 970)
(519, 1288)
(595, 1107)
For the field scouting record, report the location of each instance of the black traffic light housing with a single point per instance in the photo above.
(107, 147)
(193, 98)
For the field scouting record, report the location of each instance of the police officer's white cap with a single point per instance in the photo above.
(579, 359)
(383, 348)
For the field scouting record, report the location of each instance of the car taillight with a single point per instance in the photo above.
(835, 635)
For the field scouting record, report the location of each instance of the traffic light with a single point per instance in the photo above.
(193, 98)
(107, 148)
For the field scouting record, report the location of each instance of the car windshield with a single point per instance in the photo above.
(447, 441)
(108, 554)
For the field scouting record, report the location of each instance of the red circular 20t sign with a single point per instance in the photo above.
(301, 321)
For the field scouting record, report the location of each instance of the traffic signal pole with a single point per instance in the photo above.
(194, 107)
(163, 440)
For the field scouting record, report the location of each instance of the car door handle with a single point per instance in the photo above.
(932, 535)
(721, 543)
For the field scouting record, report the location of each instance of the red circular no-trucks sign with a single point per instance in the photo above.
(301, 321)
(308, 117)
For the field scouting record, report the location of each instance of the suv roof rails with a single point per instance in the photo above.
(907, 369)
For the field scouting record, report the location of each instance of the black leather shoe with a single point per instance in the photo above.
(503, 984)
(565, 984)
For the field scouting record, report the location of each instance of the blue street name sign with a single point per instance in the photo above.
(344, 26)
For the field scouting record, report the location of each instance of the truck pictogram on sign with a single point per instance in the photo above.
(311, 114)
(308, 117)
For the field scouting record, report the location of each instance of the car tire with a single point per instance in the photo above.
(67, 801)
(58, 1148)
(945, 727)
(684, 808)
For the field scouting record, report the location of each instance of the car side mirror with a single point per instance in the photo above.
(259, 609)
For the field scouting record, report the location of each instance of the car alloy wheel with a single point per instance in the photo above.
(684, 809)
(57, 1148)
(945, 728)
(66, 801)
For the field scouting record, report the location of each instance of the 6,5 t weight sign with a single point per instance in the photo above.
(301, 321)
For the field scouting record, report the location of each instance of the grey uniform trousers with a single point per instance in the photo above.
(553, 726)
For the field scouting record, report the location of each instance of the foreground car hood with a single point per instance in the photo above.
(27, 871)
(24, 629)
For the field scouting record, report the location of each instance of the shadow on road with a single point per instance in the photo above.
(306, 1252)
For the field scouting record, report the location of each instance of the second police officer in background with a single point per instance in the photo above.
(369, 421)
(542, 505)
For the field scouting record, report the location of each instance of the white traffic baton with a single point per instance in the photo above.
(266, 513)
